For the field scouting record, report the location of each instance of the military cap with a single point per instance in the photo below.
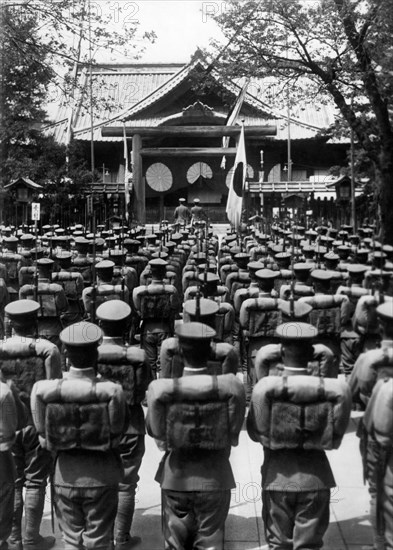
(45, 262)
(347, 228)
(22, 312)
(46, 227)
(266, 275)
(296, 332)
(343, 234)
(182, 200)
(311, 233)
(322, 275)
(385, 311)
(59, 231)
(64, 257)
(113, 311)
(170, 245)
(388, 249)
(151, 237)
(331, 257)
(242, 259)
(362, 254)
(283, 256)
(81, 244)
(78, 226)
(333, 232)
(253, 267)
(308, 250)
(208, 308)
(117, 254)
(295, 310)
(194, 335)
(176, 237)
(357, 270)
(27, 238)
(301, 268)
(81, 335)
(104, 265)
(11, 242)
(158, 263)
(197, 201)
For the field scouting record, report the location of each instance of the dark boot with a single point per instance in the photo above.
(15, 539)
(34, 508)
(123, 522)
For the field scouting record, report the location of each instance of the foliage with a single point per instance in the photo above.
(323, 50)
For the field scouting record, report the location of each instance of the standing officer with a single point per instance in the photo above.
(125, 365)
(290, 415)
(182, 214)
(26, 360)
(82, 419)
(196, 418)
(197, 212)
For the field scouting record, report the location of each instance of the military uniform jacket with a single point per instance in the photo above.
(200, 469)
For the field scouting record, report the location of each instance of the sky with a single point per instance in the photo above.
(180, 25)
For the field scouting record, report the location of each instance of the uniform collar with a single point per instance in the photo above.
(81, 373)
(189, 371)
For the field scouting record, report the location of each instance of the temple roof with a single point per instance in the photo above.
(154, 94)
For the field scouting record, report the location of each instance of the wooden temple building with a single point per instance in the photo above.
(173, 117)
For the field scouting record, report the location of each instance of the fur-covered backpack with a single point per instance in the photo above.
(127, 367)
(196, 412)
(78, 414)
(300, 412)
(21, 364)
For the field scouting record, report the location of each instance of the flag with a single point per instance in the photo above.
(126, 174)
(233, 116)
(239, 174)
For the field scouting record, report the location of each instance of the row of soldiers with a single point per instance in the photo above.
(243, 293)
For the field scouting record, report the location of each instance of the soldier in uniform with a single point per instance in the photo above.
(13, 417)
(125, 365)
(157, 305)
(88, 468)
(296, 475)
(195, 474)
(197, 212)
(182, 214)
(371, 367)
(25, 360)
(52, 299)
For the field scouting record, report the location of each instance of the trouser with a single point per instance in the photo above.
(33, 466)
(295, 520)
(151, 343)
(6, 506)
(132, 449)
(387, 504)
(86, 516)
(194, 520)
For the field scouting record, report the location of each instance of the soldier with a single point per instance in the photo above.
(370, 367)
(52, 299)
(105, 290)
(25, 360)
(157, 305)
(13, 417)
(296, 475)
(125, 365)
(197, 212)
(195, 474)
(182, 214)
(87, 469)
(378, 423)
(73, 284)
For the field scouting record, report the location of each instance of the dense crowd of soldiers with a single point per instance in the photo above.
(178, 332)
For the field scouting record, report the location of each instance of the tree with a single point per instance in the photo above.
(42, 45)
(338, 50)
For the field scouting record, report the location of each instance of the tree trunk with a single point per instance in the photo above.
(385, 172)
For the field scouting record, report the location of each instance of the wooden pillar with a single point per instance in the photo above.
(138, 202)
